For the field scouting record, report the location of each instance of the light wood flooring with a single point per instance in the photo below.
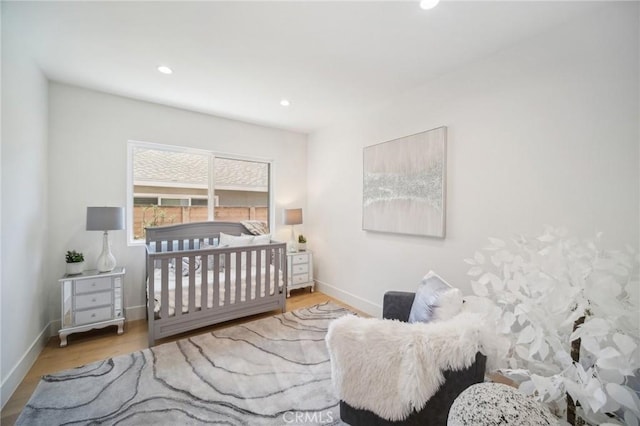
(91, 346)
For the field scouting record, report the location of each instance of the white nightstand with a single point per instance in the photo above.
(91, 300)
(299, 271)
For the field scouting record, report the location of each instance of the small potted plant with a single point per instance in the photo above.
(75, 262)
(302, 243)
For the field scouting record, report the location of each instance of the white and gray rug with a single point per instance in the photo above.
(273, 371)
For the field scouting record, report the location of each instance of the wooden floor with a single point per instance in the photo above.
(90, 346)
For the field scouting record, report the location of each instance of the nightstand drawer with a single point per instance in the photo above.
(86, 301)
(300, 269)
(298, 279)
(93, 315)
(91, 285)
(299, 258)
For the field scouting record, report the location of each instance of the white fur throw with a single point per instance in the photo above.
(391, 367)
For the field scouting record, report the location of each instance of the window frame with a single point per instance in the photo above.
(133, 144)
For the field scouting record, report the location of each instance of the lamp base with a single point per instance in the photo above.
(292, 246)
(106, 260)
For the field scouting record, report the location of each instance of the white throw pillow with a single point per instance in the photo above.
(259, 239)
(235, 240)
(227, 240)
(427, 297)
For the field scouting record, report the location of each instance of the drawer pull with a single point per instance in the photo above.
(93, 315)
(93, 300)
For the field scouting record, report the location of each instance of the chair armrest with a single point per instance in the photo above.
(397, 305)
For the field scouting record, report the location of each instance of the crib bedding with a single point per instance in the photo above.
(210, 293)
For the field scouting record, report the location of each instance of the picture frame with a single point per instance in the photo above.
(404, 185)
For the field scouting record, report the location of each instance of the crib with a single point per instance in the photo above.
(192, 282)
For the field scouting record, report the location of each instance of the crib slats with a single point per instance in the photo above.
(177, 294)
(192, 283)
(204, 282)
(216, 281)
(251, 273)
(247, 280)
(227, 279)
(276, 280)
(267, 279)
(238, 272)
(260, 256)
(164, 285)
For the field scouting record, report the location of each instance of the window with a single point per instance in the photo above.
(145, 201)
(169, 185)
(199, 201)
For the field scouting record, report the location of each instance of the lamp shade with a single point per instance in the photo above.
(105, 218)
(292, 216)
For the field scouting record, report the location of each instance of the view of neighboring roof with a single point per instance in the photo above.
(165, 168)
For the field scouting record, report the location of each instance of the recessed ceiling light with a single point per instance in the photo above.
(285, 103)
(428, 4)
(165, 70)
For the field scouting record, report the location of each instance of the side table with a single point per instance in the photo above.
(91, 300)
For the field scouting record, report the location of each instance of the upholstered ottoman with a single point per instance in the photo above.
(487, 404)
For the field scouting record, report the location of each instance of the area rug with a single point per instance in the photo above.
(273, 371)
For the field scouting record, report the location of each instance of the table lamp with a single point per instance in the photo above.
(292, 217)
(105, 219)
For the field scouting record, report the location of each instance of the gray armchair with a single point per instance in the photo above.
(397, 305)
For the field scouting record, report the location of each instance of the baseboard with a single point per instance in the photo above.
(350, 299)
(20, 370)
(54, 327)
(134, 313)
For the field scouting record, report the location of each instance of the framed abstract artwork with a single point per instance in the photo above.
(404, 185)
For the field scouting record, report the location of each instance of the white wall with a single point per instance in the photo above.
(88, 133)
(24, 220)
(545, 132)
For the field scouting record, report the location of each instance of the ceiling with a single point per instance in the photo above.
(239, 59)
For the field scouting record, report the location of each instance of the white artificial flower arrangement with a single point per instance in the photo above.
(571, 314)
